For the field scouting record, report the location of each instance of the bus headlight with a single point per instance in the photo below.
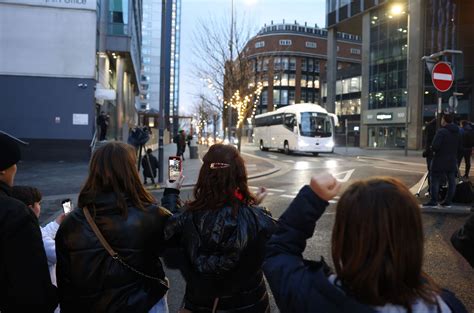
(330, 144)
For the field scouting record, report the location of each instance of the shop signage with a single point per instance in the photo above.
(442, 76)
(384, 116)
(70, 4)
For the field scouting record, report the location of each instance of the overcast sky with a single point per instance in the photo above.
(258, 12)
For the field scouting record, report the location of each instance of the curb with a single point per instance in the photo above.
(455, 209)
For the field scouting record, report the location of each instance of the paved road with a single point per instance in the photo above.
(441, 261)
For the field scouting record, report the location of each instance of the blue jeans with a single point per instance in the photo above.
(161, 306)
(436, 178)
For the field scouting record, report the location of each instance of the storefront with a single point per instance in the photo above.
(385, 128)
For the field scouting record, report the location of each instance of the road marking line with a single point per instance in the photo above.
(272, 156)
(398, 169)
(287, 196)
(289, 161)
(346, 177)
(332, 201)
(276, 190)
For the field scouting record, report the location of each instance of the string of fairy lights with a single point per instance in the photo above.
(244, 103)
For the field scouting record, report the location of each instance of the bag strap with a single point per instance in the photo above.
(114, 254)
(99, 235)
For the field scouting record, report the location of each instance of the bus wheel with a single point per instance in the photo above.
(262, 148)
(315, 153)
(286, 148)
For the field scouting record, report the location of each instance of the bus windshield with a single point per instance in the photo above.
(315, 125)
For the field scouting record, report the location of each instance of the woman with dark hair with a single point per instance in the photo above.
(223, 234)
(108, 248)
(377, 251)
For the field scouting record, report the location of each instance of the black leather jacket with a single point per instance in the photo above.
(25, 282)
(223, 257)
(89, 279)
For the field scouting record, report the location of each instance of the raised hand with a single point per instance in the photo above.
(325, 186)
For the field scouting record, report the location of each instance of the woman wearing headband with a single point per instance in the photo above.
(223, 234)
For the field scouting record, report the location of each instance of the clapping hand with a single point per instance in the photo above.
(260, 195)
(325, 186)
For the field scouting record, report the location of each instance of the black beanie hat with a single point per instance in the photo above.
(9, 150)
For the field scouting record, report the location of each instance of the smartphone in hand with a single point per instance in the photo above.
(67, 205)
(175, 168)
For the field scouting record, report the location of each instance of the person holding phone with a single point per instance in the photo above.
(377, 251)
(108, 248)
(223, 233)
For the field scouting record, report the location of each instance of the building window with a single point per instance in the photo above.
(284, 97)
(284, 79)
(285, 63)
(355, 51)
(303, 96)
(292, 64)
(310, 81)
(291, 97)
(303, 65)
(265, 80)
(311, 44)
(276, 97)
(260, 44)
(277, 63)
(303, 81)
(264, 97)
(266, 61)
(310, 65)
(276, 79)
(285, 42)
(292, 80)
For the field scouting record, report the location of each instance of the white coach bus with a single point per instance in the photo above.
(302, 127)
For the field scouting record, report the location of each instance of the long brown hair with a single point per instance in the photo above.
(377, 244)
(216, 187)
(112, 169)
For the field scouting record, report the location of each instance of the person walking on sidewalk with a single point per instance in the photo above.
(467, 143)
(108, 248)
(223, 233)
(149, 165)
(25, 285)
(445, 146)
(103, 123)
(377, 250)
(180, 140)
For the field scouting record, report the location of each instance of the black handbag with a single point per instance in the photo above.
(164, 283)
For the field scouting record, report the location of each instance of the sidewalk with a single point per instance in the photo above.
(61, 180)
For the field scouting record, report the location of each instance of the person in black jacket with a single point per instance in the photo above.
(149, 165)
(445, 146)
(89, 279)
(377, 251)
(25, 284)
(466, 151)
(223, 234)
(430, 131)
(463, 240)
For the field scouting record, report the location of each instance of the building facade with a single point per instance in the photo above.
(290, 61)
(62, 63)
(47, 76)
(396, 83)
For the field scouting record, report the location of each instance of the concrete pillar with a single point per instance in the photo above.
(119, 70)
(415, 74)
(364, 138)
(331, 70)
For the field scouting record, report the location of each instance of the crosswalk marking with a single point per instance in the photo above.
(271, 156)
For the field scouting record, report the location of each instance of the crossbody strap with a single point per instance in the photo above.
(114, 254)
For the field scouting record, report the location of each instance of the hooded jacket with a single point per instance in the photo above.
(463, 240)
(304, 286)
(446, 147)
(25, 285)
(89, 279)
(223, 257)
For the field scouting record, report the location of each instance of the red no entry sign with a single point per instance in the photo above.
(442, 76)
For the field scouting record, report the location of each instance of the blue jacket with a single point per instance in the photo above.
(446, 146)
(300, 285)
